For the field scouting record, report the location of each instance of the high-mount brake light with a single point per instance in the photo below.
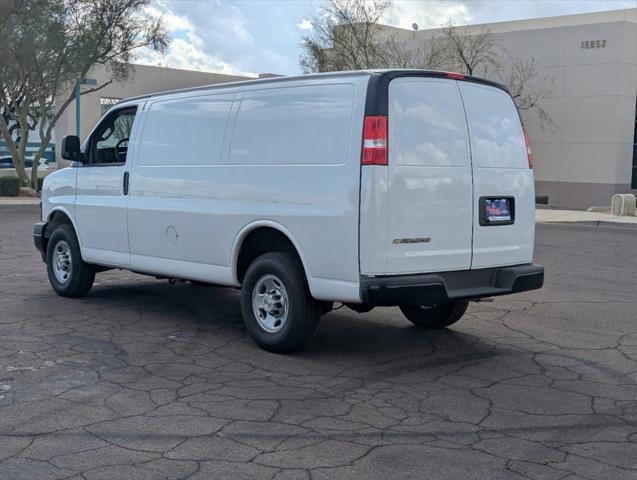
(529, 155)
(375, 140)
(455, 75)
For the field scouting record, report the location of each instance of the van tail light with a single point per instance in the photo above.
(529, 155)
(455, 75)
(375, 140)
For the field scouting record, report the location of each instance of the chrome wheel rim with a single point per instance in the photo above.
(270, 303)
(61, 261)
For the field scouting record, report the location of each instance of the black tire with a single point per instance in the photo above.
(303, 312)
(439, 316)
(80, 275)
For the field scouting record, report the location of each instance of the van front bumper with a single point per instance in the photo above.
(38, 238)
(441, 288)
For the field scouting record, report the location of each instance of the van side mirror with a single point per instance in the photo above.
(70, 148)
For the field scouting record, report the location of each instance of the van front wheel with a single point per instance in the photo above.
(438, 316)
(68, 274)
(278, 310)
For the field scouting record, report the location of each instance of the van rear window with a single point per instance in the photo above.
(428, 126)
(293, 125)
(496, 133)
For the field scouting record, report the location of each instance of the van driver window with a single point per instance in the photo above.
(109, 144)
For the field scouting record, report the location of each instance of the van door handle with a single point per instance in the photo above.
(125, 185)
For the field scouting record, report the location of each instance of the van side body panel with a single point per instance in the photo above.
(173, 204)
(289, 156)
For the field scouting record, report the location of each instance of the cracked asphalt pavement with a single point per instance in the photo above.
(144, 380)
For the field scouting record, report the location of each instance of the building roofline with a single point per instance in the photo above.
(174, 69)
(575, 19)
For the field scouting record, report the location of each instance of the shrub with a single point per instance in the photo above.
(9, 186)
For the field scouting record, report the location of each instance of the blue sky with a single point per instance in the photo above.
(259, 36)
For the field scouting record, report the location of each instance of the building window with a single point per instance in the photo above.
(107, 102)
(634, 182)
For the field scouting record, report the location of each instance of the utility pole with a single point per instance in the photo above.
(78, 85)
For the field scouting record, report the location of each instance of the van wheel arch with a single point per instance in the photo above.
(54, 220)
(261, 240)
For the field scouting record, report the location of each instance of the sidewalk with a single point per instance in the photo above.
(549, 216)
(19, 200)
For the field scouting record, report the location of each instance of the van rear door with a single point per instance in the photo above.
(503, 189)
(430, 192)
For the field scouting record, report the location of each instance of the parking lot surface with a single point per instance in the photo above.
(146, 380)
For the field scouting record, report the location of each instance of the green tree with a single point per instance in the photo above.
(47, 45)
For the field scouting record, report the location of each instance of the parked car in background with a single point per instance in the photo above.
(375, 188)
(6, 162)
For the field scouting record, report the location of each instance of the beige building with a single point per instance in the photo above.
(144, 79)
(590, 61)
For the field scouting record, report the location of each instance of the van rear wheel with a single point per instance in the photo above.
(278, 311)
(437, 316)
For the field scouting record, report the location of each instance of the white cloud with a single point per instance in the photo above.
(189, 55)
(427, 13)
(244, 36)
(171, 21)
(305, 24)
(187, 48)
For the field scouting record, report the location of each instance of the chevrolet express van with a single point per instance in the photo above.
(400, 188)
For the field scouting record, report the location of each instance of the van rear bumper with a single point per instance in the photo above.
(441, 288)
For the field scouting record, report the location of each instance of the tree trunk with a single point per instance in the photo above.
(21, 171)
(36, 164)
(45, 139)
(24, 139)
(22, 153)
(18, 161)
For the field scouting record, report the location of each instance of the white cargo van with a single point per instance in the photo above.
(401, 187)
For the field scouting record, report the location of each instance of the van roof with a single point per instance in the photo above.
(387, 74)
